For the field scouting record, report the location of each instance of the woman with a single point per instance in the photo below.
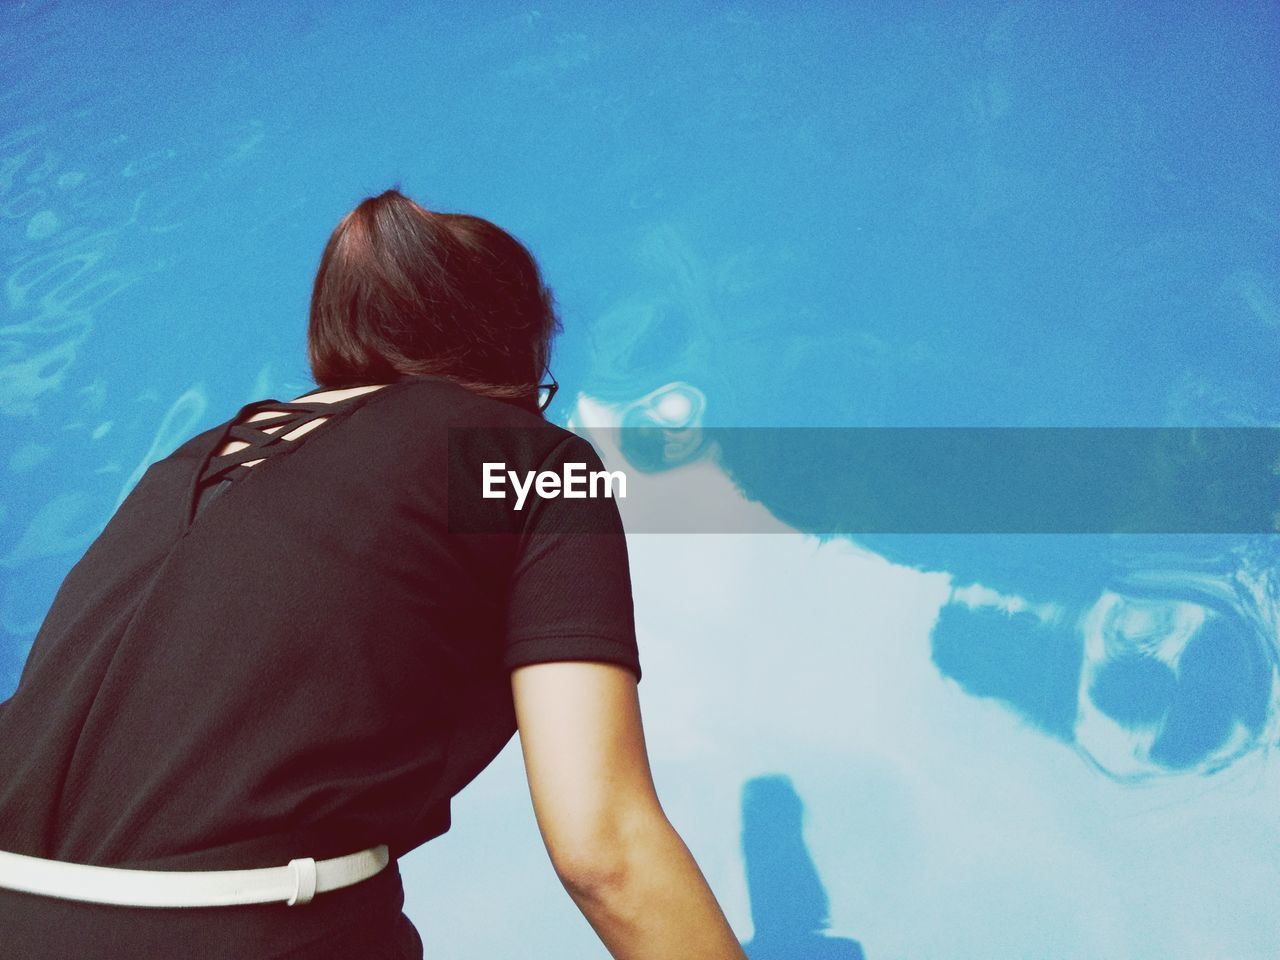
(299, 637)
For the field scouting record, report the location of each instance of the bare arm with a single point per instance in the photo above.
(609, 840)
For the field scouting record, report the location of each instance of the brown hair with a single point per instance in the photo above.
(404, 291)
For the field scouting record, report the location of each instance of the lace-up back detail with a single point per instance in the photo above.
(263, 437)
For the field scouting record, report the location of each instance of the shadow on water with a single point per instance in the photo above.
(789, 907)
(1150, 654)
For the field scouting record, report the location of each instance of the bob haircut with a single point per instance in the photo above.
(404, 291)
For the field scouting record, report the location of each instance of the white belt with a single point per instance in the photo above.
(297, 883)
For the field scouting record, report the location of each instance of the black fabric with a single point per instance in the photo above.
(303, 661)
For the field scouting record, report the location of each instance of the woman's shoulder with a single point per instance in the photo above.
(449, 398)
(453, 406)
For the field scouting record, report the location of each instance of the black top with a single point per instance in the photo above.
(299, 658)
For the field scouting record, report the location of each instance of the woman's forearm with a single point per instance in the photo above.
(654, 903)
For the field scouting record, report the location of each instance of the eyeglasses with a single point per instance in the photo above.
(545, 392)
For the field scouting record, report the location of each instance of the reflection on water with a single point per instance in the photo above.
(1182, 667)
(1065, 761)
(1153, 655)
(1154, 671)
(789, 906)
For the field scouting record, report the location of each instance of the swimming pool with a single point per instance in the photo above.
(1010, 214)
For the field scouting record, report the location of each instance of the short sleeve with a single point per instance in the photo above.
(570, 591)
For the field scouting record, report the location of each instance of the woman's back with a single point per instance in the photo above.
(310, 662)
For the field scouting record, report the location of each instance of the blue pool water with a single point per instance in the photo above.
(1010, 214)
